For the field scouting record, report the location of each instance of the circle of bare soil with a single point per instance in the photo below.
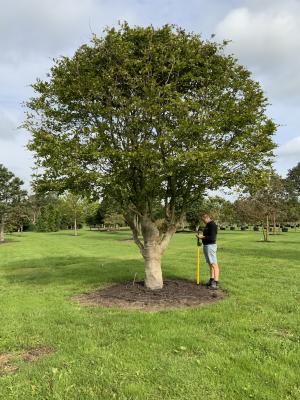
(176, 293)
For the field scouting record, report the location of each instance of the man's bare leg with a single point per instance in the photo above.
(214, 268)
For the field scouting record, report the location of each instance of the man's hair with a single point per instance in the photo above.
(205, 215)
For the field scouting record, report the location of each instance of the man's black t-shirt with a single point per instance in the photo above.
(210, 232)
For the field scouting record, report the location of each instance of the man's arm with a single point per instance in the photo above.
(199, 235)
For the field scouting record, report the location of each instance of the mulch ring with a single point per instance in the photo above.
(176, 293)
(10, 362)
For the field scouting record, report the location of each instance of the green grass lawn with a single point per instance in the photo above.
(247, 346)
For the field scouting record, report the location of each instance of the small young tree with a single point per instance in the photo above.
(73, 209)
(272, 200)
(10, 195)
(264, 204)
(149, 116)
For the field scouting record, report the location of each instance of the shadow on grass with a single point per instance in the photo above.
(71, 270)
(101, 236)
(267, 250)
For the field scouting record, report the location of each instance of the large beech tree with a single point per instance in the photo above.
(149, 117)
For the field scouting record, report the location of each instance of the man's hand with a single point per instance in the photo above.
(199, 236)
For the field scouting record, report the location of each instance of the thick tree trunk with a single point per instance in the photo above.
(152, 253)
(153, 274)
(151, 247)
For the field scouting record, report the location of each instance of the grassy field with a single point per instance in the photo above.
(247, 346)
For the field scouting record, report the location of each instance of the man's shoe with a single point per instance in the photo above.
(214, 285)
(208, 283)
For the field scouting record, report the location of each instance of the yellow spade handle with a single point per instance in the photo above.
(198, 266)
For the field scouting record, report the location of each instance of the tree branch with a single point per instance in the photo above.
(130, 221)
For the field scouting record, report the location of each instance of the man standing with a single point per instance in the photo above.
(209, 238)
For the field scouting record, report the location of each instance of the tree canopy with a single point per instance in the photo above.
(293, 177)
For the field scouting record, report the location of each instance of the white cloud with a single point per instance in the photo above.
(288, 155)
(33, 27)
(266, 39)
(291, 148)
(15, 157)
(8, 125)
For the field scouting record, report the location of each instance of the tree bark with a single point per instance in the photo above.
(268, 227)
(152, 253)
(154, 247)
(151, 247)
(2, 229)
(153, 273)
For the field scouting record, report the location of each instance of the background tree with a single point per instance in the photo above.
(264, 205)
(293, 177)
(114, 220)
(18, 217)
(291, 212)
(35, 202)
(193, 214)
(228, 215)
(50, 216)
(73, 211)
(247, 211)
(11, 194)
(273, 199)
(149, 116)
(216, 206)
(95, 214)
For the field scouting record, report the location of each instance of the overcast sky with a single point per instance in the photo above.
(265, 37)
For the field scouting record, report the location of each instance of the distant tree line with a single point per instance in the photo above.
(276, 204)
(20, 211)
